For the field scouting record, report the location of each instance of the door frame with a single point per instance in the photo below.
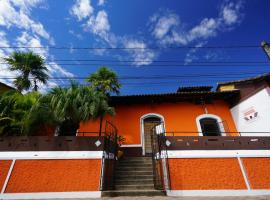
(142, 126)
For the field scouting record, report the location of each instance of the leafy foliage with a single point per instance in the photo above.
(75, 104)
(105, 80)
(22, 114)
(30, 66)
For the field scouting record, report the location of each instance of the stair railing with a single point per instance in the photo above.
(160, 158)
(109, 157)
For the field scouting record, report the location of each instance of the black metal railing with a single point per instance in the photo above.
(226, 133)
(217, 143)
(109, 157)
(160, 158)
(51, 143)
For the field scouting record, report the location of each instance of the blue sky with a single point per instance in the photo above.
(139, 24)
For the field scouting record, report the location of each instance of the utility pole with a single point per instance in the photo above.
(266, 48)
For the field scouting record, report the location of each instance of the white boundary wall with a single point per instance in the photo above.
(43, 155)
(260, 122)
(220, 154)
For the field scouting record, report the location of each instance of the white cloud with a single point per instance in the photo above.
(167, 30)
(207, 28)
(4, 71)
(230, 12)
(32, 40)
(190, 56)
(82, 9)
(99, 24)
(54, 69)
(26, 4)
(77, 35)
(164, 24)
(16, 14)
(101, 2)
(25, 39)
(140, 54)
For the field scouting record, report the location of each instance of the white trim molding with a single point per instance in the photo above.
(142, 126)
(177, 193)
(244, 173)
(218, 153)
(131, 145)
(51, 195)
(8, 176)
(219, 120)
(32, 155)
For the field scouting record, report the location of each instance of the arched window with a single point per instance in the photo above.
(210, 125)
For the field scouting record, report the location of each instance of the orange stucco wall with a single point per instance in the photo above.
(258, 172)
(178, 117)
(205, 174)
(4, 168)
(54, 176)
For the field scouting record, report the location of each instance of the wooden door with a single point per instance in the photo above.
(149, 123)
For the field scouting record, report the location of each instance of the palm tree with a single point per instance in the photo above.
(105, 81)
(75, 104)
(30, 66)
(41, 118)
(15, 115)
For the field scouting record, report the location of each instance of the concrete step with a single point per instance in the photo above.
(134, 181)
(132, 177)
(129, 169)
(120, 173)
(134, 162)
(116, 193)
(136, 159)
(135, 187)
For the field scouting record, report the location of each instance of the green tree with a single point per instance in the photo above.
(21, 114)
(15, 109)
(76, 104)
(30, 66)
(105, 81)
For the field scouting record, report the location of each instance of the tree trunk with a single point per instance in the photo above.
(100, 125)
(35, 85)
(68, 128)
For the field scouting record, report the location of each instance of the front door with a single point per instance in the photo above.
(149, 123)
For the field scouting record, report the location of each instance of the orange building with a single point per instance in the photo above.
(196, 147)
(177, 144)
(188, 112)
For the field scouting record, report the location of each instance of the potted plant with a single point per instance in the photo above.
(120, 141)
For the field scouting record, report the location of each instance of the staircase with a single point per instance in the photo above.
(134, 177)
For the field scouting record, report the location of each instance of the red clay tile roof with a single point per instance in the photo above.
(174, 97)
(265, 76)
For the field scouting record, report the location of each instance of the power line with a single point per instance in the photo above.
(215, 75)
(132, 48)
(53, 61)
(165, 65)
(153, 61)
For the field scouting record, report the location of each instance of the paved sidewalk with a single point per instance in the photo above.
(180, 198)
(188, 198)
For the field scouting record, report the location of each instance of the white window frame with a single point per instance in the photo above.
(219, 120)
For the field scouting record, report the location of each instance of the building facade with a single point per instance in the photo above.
(251, 110)
(187, 143)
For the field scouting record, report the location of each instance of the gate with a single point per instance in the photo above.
(109, 157)
(160, 158)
